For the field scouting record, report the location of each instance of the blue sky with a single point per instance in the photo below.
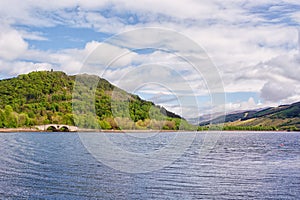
(253, 44)
(62, 37)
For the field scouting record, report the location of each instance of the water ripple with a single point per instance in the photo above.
(240, 166)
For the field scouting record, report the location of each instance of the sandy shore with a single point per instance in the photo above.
(9, 130)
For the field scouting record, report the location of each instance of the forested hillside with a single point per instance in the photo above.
(47, 97)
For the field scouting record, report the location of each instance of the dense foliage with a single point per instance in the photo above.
(48, 97)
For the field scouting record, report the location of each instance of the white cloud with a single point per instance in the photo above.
(12, 44)
(276, 91)
(32, 35)
(283, 82)
(254, 53)
(250, 104)
(18, 67)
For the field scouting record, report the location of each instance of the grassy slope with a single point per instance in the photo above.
(286, 117)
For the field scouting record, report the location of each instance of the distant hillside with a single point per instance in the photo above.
(284, 117)
(46, 97)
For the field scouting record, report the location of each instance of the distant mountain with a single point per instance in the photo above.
(47, 97)
(284, 117)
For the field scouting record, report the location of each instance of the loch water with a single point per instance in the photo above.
(241, 165)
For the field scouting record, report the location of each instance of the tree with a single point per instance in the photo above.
(2, 119)
(10, 117)
(23, 120)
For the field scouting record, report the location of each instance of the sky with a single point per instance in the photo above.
(247, 49)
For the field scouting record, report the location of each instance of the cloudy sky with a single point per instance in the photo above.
(251, 47)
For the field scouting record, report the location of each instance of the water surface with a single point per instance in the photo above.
(242, 165)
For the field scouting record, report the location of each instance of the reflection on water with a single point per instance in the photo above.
(241, 166)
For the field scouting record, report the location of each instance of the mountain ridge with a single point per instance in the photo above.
(283, 117)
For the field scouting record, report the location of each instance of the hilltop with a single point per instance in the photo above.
(48, 97)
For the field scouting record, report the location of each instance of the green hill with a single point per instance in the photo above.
(284, 117)
(47, 97)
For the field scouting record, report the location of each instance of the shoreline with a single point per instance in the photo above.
(14, 130)
(11, 130)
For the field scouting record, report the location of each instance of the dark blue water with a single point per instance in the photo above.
(240, 166)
